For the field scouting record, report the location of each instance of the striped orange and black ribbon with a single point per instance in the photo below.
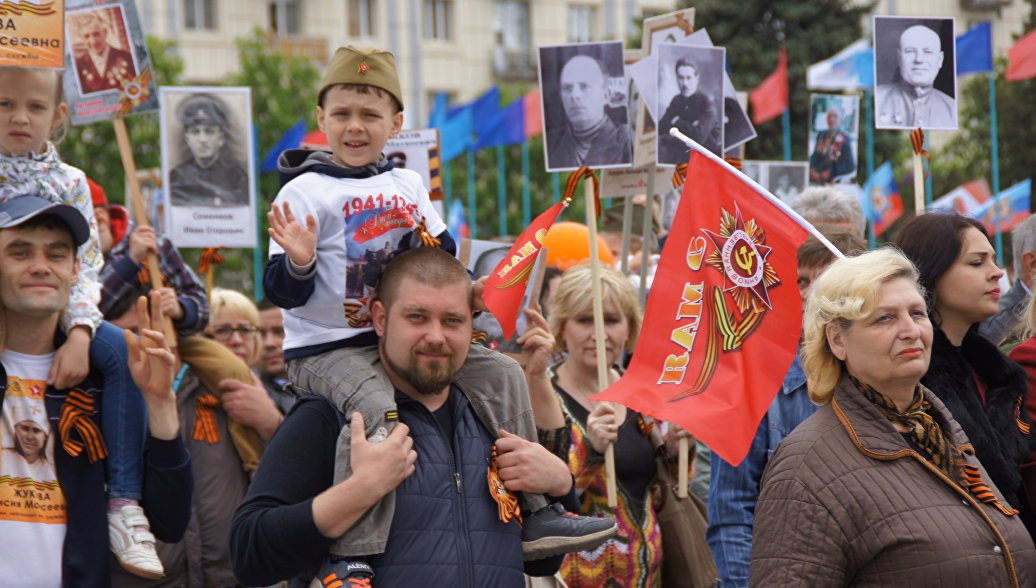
(1024, 427)
(427, 240)
(573, 182)
(78, 430)
(209, 258)
(981, 491)
(205, 429)
(917, 142)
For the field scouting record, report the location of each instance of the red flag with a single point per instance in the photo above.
(724, 314)
(1021, 59)
(506, 285)
(770, 98)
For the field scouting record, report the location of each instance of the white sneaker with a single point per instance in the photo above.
(130, 539)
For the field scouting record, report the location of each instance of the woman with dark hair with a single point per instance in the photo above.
(981, 387)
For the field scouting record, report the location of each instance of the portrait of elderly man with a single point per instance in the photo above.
(911, 99)
(585, 133)
(209, 176)
(102, 66)
(832, 157)
(693, 112)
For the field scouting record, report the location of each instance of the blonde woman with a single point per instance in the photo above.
(880, 486)
(634, 557)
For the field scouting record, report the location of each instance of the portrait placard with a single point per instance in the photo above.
(833, 138)
(690, 98)
(783, 179)
(418, 150)
(671, 27)
(208, 167)
(109, 71)
(585, 106)
(631, 181)
(737, 126)
(915, 73)
(32, 33)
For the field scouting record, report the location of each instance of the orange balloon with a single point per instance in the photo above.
(568, 244)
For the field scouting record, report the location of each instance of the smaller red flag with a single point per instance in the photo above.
(770, 98)
(724, 315)
(1021, 59)
(506, 285)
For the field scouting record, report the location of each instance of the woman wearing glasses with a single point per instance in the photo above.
(234, 323)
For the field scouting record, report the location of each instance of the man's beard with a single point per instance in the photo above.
(431, 380)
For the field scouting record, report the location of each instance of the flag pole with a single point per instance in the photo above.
(919, 195)
(995, 148)
(526, 195)
(627, 225)
(598, 308)
(258, 260)
(786, 124)
(869, 130)
(928, 178)
(472, 226)
(645, 228)
(501, 190)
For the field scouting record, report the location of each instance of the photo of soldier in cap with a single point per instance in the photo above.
(915, 73)
(209, 175)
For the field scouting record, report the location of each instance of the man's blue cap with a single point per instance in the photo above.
(19, 210)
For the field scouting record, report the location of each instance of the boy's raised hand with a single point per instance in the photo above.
(300, 243)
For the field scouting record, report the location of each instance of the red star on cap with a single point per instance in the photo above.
(364, 68)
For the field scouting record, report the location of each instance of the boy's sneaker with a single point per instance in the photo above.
(130, 539)
(552, 531)
(344, 573)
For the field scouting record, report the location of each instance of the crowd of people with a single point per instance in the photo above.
(155, 434)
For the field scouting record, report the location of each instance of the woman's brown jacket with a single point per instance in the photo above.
(845, 501)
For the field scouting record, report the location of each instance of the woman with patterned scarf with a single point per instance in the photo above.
(633, 559)
(981, 387)
(880, 487)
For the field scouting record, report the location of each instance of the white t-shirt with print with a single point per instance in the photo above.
(33, 512)
(361, 224)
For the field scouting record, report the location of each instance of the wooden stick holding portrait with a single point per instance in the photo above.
(137, 204)
(598, 306)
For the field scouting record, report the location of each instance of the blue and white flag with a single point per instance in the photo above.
(851, 68)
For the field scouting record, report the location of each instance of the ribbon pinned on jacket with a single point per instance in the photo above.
(205, 419)
(78, 430)
(573, 181)
(507, 502)
(426, 238)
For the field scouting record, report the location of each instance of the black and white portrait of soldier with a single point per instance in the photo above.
(584, 126)
(690, 96)
(915, 73)
(211, 172)
(103, 56)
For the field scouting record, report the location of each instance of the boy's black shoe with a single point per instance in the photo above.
(552, 531)
(345, 573)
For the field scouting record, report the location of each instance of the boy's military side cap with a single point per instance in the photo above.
(372, 67)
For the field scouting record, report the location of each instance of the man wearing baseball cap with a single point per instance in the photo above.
(53, 515)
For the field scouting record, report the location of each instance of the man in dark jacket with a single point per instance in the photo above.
(694, 113)
(53, 515)
(449, 527)
(589, 136)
